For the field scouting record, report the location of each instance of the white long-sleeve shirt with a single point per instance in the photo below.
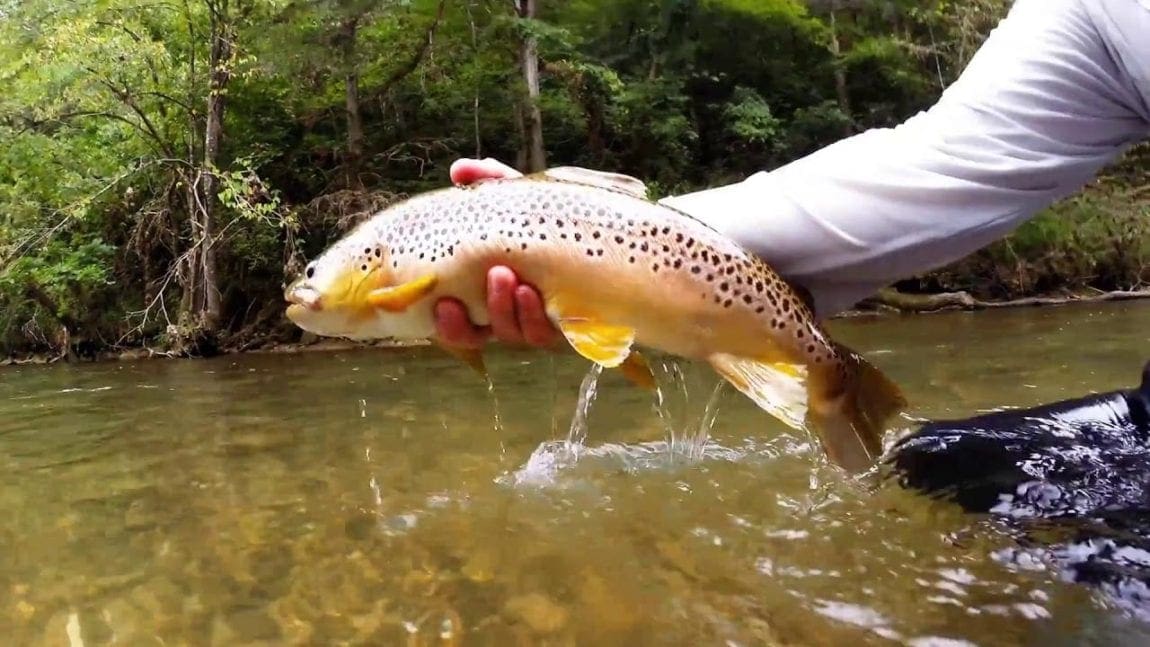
(1059, 89)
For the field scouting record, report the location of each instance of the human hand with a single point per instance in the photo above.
(516, 309)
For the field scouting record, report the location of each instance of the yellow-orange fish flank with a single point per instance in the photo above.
(616, 271)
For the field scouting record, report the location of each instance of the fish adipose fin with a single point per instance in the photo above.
(398, 298)
(777, 388)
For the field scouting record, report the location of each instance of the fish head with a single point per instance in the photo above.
(332, 296)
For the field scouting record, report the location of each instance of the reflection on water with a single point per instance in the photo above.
(388, 497)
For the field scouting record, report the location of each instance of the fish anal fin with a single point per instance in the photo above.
(779, 388)
(603, 179)
(636, 369)
(398, 298)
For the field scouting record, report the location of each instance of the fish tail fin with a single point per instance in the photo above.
(850, 409)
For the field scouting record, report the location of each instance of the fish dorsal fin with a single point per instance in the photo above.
(614, 181)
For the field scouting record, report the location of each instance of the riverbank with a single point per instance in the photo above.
(887, 302)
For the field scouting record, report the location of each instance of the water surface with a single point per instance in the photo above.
(389, 498)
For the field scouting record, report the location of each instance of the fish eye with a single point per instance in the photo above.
(310, 271)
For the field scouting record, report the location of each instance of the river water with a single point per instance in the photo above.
(391, 497)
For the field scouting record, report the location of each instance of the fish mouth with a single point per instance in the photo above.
(303, 297)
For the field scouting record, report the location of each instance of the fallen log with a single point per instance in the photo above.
(892, 299)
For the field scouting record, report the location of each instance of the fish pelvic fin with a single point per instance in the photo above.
(398, 298)
(608, 345)
(604, 344)
(779, 388)
(473, 357)
(850, 410)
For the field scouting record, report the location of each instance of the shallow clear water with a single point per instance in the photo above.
(388, 497)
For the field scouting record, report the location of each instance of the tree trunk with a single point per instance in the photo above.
(355, 137)
(219, 59)
(841, 89)
(532, 152)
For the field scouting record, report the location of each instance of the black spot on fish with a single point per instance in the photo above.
(363, 267)
(654, 267)
(590, 252)
(483, 237)
(542, 236)
(747, 299)
(522, 246)
(727, 303)
(578, 236)
(724, 286)
(678, 238)
(631, 260)
(759, 310)
(559, 223)
(367, 251)
(643, 247)
(378, 253)
(678, 263)
(810, 348)
(619, 239)
(690, 242)
(599, 252)
(595, 235)
(666, 230)
(695, 269)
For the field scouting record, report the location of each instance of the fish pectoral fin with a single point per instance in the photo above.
(601, 343)
(473, 357)
(603, 179)
(636, 369)
(398, 298)
(778, 388)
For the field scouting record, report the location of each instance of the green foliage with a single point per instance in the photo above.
(103, 108)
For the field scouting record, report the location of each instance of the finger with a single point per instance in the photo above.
(501, 283)
(537, 328)
(466, 170)
(454, 327)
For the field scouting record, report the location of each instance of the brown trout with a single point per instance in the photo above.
(616, 271)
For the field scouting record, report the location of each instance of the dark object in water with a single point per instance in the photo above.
(1093, 450)
(1072, 477)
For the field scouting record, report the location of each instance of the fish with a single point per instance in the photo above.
(617, 272)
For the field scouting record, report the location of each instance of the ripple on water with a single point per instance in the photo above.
(370, 498)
